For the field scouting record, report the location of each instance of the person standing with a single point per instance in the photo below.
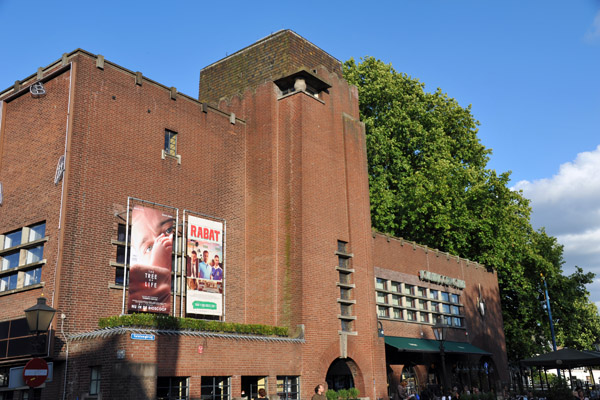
(319, 393)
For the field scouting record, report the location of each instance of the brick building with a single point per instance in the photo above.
(272, 155)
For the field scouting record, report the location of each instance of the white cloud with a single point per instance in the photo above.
(568, 206)
(593, 33)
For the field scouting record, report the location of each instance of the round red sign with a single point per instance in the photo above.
(35, 372)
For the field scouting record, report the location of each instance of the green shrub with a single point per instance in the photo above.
(173, 323)
(343, 394)
(331, 394)
(353, 393)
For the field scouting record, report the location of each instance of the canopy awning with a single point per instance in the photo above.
(565, 359)
(432, 346)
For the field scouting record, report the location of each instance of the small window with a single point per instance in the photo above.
(343, 262)
(457, 321)
(35, 254)
(381, 284)
(176, 388)
(345, 278)
(445, 296)
(37, 232)
(409, 289)
(424, 317)
(383, 312)
(395, 287)
(397, 313)
(119, 276)
(10, 260)
(446, 308)
(408, 302)
(396, 300)
(435, 306)
(422, 304)
(12, 239)
(342, 246)
(454, 298)
(95, 381)
(345, 294)
(421, 292)
(433, 294)
(346, 309)
(455, 310)
(170, 142)
(381, 297)
(8, 282)
(411, 315)
(288, 387)
(447, 320)
(33, 276)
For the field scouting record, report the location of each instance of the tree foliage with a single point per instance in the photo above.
(429, 182)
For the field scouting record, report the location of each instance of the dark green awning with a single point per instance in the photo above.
(432, 346)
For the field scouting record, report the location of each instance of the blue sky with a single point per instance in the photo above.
(530, 70)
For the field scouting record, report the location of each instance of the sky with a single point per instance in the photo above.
(529, 69)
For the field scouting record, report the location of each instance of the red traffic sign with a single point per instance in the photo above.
(35, 372)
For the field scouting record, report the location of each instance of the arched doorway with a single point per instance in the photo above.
(339, 375)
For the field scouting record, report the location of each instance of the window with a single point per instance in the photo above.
(411, 315)
(397, 313)
(445, 296)
(95, 380)
(346, 294)
(346, 325)
(342, 246)
(395, 287)
(455, 310)
(447, 320)
(433, 294)
(288, 387)
(446, 308)
(454, 298)
(396, 300)
(409, 289)
(381, 284)
(421, 292)
(435, 306)
(381, 297)
(408, 302)
(20, 266)
(12, 239)
(174, 388)
(345, 278)
(457, 321)
(422, 305)
(424, 317)
(383, 312)
(346, 309)
(213, 388)
(170, 143)
(343, 262)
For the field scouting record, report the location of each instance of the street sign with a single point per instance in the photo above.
(35, 372)
(142, 336)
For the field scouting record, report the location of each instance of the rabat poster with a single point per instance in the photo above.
(204, 270)
(151, 258)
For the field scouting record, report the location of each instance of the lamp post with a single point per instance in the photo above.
(39, 318)
(440, 330)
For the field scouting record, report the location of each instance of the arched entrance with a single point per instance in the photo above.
(340, 375)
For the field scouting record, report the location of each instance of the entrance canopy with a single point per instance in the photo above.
(565, 359)
(432, 346)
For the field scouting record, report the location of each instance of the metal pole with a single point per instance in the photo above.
(444, 378)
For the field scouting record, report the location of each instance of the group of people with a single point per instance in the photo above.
(426, 394)
(205, 268)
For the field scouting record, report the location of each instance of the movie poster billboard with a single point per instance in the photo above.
(151, 258)
(204, 267)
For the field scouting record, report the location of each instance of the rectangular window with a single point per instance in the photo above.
(170, 142)
(381, 284)
(212, 388)
(445, 296)
(408, 302)
(343, 262)
(457, 321)
(435, 306)
(411, 315)
(396, 300)
(447, 320)
(346, 309)
(395, 287)
(422, 304)
(433, 294)
(424, 317)
(35, 254)
(455, 310)
(345, 294)
(397, 313)
(119, 276)
(421, 292)
(95, 380)
(342, 246)
(454, 298)
(12, 239)
(381, 297)
(8, 282)
(345, 278)
(288, 387)
(409, 289)
(10, 260)
(33, 276)
(36, 232)
(346, 325)
(446, 308)
(383, 312)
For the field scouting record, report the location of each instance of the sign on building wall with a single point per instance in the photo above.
(151, 259)
(204, 270)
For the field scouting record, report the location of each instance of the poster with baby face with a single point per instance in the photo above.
(151, 258)
(204, 272)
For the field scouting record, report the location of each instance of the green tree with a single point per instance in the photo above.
(429, 183)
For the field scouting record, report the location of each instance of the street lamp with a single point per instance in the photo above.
(440, 330)
(39, 318)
